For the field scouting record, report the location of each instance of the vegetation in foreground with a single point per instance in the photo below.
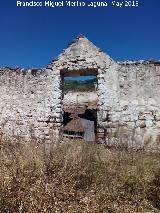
(78, 177)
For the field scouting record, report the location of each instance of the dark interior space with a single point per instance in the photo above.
(90, 114)
(66, 118)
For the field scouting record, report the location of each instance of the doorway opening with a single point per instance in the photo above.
(80, 104)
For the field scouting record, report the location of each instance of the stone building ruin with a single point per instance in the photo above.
(128, 99)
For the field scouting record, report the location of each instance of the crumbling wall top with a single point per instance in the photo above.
(140, 62)
(19, 70)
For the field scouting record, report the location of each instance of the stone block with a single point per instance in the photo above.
(158, 124)
(141, 124)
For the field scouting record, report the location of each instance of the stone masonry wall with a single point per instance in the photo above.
(131, 116)
(30, 104)
(128, 105)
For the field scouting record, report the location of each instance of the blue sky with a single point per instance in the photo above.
(31, 37)
(81, 78)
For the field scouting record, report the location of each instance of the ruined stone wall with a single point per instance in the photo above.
(128, 99)
(30, 104)
(131, 108)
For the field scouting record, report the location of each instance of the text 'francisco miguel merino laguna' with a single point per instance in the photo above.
(57, 4)
(76, 3)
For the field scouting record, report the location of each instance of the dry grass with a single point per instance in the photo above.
(78, 177)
